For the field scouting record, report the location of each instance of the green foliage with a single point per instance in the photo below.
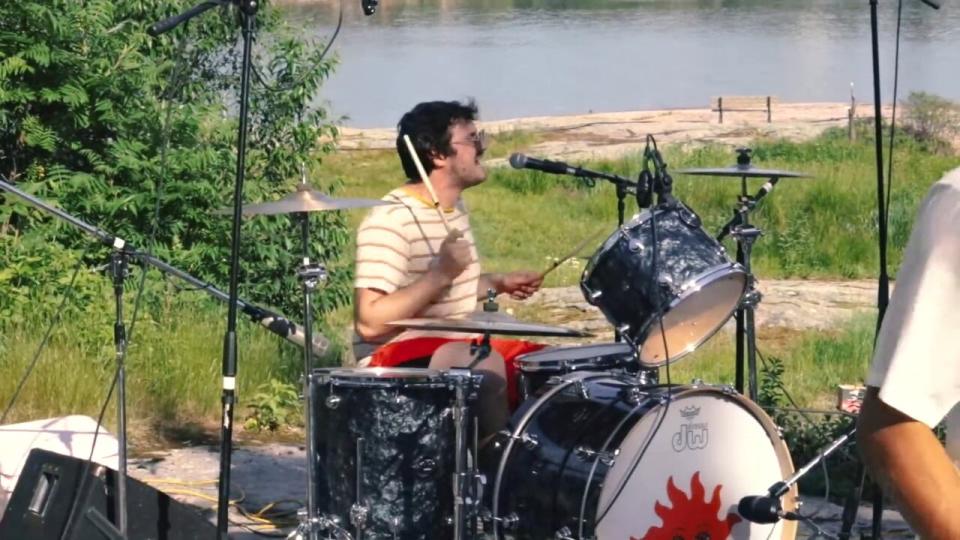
(275, 404)
(120, 129)
(931, 119)
(807, 434)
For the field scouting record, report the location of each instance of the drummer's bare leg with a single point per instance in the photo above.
(492, 409)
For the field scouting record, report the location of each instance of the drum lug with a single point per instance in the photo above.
(635, 246)
(623, 328)
(581, 389)
(586, 454)
(563, 533)
(633, 395)
(509, 522)
(333, 401)
(595, 295)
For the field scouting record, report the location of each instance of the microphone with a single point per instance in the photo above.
(369, 6)
(760, 509)
(520, 161)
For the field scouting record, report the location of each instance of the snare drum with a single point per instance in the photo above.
(601, 457)
(695, 282)
(385, 449)
(538, 367)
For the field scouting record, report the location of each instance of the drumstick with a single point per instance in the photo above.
(426, 181)
(583, 243)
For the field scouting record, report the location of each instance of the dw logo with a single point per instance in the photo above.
(692, 436)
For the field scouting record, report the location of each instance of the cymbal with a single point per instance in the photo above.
(304, 200)
(484, 322)
(741, 171)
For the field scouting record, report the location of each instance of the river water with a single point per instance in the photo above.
(549, 57)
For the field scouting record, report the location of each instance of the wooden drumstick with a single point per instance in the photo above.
(583, 243)
(426, 181)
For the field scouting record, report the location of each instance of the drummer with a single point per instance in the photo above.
(408, 265)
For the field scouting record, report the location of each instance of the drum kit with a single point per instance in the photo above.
(598, 447)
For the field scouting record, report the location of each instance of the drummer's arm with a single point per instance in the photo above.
(374, 308)
(909, 462)
(520, 285)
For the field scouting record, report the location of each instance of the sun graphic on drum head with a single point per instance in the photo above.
(690, 518)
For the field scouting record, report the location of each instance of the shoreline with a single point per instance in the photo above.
(609, 135)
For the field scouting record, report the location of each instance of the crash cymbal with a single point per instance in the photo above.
(485, 322)
(304, 200)
(741, 171)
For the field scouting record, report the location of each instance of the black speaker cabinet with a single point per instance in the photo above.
(50, 485)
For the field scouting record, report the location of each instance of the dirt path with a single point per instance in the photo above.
(605, 135)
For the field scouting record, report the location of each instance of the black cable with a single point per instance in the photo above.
(655, 291)
(893, 115)
(286, 87)
(46, 337)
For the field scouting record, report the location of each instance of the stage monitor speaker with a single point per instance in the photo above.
(41, 504)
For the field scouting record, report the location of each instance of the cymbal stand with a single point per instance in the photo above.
(745, 235)
(311, 276)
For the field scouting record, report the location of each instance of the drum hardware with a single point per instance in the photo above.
(769, 508)
(745, 234)
(586, 454)
(359, 511)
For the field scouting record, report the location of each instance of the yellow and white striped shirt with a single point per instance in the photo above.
(396, 244)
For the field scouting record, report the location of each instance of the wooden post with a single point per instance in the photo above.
(852, 116)
(720, 108)
(768, 110)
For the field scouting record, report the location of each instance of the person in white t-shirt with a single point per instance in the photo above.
(914, 381)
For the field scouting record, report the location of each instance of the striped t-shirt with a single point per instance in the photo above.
(396, 245)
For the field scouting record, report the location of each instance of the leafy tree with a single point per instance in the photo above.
(116, 127)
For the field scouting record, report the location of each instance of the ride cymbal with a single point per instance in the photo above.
(740, 171)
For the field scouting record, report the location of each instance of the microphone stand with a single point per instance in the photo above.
(883, 279)
(276, 323)
(248, 11)
(772, 508)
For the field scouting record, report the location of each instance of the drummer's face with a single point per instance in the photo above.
(464, 163)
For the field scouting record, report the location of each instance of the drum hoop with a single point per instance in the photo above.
(688, 289)
(789, 529)
(529, 362)
(566, 381)
(383, 377)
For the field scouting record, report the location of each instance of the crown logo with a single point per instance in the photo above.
(690, 412)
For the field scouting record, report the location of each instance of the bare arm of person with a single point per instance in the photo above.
(519, 285)
(908, 461)
(374, 308)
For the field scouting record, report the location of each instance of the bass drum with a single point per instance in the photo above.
(603, 457)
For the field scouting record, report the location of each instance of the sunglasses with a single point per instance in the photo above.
(478, 140)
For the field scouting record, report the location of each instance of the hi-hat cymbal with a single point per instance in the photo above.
(741, 171)
(484, 322)
(304, 200)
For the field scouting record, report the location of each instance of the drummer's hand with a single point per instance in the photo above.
(520, 285)
(454, 255)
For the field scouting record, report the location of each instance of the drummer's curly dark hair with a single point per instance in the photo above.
(427, 125)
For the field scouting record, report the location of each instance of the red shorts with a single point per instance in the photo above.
(399, 352)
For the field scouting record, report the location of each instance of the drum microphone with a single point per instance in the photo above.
(520, 161)
(763, 509)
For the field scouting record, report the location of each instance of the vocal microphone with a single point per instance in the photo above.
(520, 161)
